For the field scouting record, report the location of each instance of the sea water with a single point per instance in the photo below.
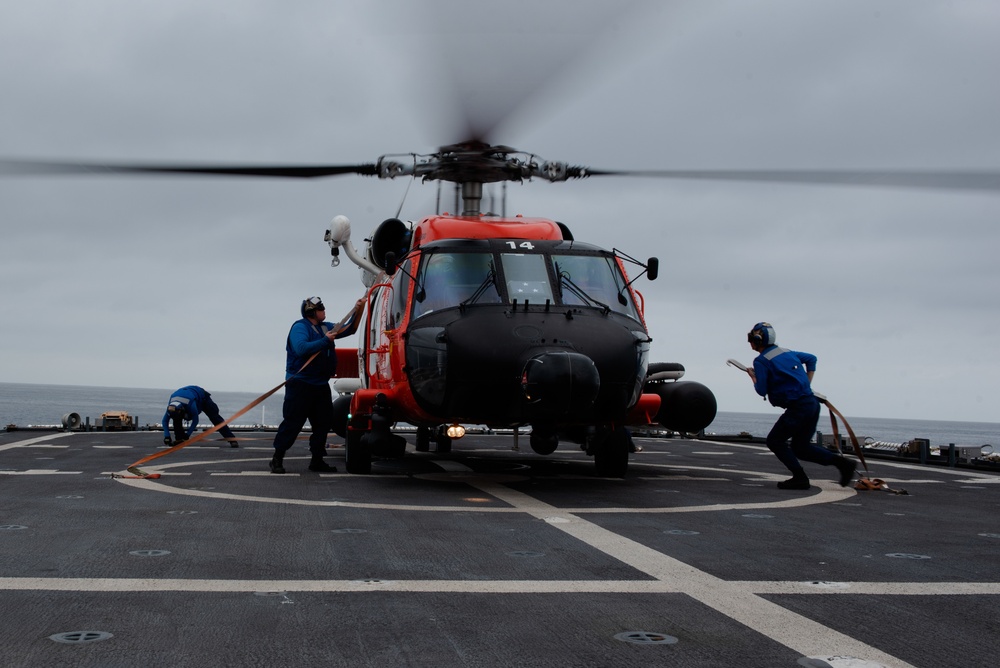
(32, 405)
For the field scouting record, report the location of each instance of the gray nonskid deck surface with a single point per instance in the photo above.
(485, 557)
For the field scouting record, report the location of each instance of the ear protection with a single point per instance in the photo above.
(311, 305)
(762, 334)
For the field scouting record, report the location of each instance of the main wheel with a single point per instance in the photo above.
(423, 439)
(611, 456)
(341, 409)
(443, 443)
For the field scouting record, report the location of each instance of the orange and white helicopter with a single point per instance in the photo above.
(475, 318)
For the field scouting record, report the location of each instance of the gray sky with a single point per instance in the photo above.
(164, 282)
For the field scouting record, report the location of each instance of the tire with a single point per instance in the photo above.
(423, 439)
(543, 444)
(341, 409)
(611, 456)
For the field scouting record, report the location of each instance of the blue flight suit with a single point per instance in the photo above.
(307, 391)
(193, 400)
(781, 377)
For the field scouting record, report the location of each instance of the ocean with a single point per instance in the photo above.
(38, 405)
(28, 405)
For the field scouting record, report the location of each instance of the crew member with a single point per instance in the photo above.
(785, 377)
(186, 404)
(307, 383)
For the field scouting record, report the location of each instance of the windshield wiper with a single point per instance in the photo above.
(580, 293)
(491, 279)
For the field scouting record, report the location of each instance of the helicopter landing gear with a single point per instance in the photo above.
(611, 454)
(371, 435)
(423, 439)
(358, 452)
(543, 442)
(443, 441)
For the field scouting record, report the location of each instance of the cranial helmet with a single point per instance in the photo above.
(311, 305)
(762, 333)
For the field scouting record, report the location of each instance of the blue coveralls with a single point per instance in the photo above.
(307, 391)
(781, 377)
(194, 400)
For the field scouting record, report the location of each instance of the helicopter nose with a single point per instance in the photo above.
(561, 382)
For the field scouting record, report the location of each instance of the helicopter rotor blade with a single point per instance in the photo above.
(957, 179)
(36, 167)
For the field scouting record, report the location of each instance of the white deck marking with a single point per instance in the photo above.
(730, 598)
(32, 441)
(485, 586)
(829, 492)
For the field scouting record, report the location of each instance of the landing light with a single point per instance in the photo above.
(455, 431)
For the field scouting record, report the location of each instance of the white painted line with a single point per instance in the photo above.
(638, 586)
(737, 602)
(126, 473)
(41, 472)
(451, 586)
(879, 588)
(32, 441)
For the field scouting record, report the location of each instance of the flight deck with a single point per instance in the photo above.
(486, 556)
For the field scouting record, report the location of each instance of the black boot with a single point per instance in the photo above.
(846, 468)
(799, 480)
(319, 466)
(276, 463)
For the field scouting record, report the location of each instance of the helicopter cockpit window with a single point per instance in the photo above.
(593, 280)
(527, 277)
(449, 279)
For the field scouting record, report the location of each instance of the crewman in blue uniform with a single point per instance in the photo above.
(186, 404)
(307, 386)
(784, 377)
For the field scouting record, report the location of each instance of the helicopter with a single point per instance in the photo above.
(501, 321)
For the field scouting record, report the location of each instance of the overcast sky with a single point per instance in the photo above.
(163, 282)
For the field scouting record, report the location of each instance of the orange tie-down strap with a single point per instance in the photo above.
(864, 483)
(834, 414)
(133, 469)
(137, 473)
(342, 358)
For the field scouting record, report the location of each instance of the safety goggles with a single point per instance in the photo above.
(315, 304)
